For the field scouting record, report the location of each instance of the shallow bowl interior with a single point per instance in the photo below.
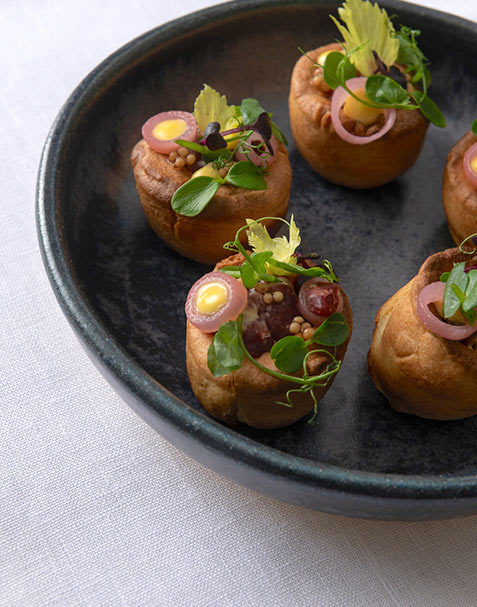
(123, 290)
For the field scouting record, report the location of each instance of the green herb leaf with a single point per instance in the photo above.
(289, 353)
(244, 174)
(444, 276)
(279, 135)
(194, 195)
(333, 331)
(429, 109)
(225, 353)
(474, 126)
(231, 271)
(384, 90)
(201, 149)
(412, 57)
(260, 260)
(471, 293)
(309, 272)
(250, 110)
(248, 275)
(459, 293)
(330, 69)
(451, 301)
(470, 316)
(345, 69)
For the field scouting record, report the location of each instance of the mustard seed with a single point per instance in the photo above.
(294, 328)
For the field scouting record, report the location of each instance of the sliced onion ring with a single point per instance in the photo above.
(167, 146)
(470, 174)
(433, 293)
(236, 302)
(337, 100)
(260, 160)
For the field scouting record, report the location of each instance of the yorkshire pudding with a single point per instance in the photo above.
(418, 371)
(458, 195)
(202, 237)
(355, 166)
(249, 395)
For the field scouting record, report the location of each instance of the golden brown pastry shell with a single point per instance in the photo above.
(458, 195)
(202, 237)
(355, 166)
(418, 371)
(249, 395)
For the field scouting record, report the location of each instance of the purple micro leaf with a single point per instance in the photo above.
(263, 128)
(212, 137)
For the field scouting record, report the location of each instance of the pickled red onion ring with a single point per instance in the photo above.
(433, 293)
(470, 174)
(337, 100)
(260, 160)
(236, 302)
(167, 146)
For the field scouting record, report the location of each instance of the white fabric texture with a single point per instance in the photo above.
(98, 510)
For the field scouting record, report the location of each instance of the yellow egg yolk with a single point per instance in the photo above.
(231, 145)
(169, 129)
(457, 319)
(358, 111)
(211, 297)
(473, 164)
(206, 171)
(322, 58)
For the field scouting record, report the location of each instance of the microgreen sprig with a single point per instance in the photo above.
(382, 90)
(262, 266)
(290, 354)
(461, 287)
(194, 195)
(411, 56)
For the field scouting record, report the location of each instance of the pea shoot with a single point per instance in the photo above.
(460, 294)
(371, 47)
(220, 146)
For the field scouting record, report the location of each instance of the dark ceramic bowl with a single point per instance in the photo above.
(123, 291)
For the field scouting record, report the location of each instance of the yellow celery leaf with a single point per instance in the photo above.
(282, 247)
(211, 106)
(369, 27)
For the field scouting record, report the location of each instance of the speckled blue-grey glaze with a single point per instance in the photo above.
(123, 290)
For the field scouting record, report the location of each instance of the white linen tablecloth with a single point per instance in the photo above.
(96, 509)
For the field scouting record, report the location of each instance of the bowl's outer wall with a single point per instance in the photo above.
(123, 290)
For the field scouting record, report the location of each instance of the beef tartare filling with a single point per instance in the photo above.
(267, 317)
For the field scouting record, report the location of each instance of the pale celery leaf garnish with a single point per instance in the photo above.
(282, 247)
(211, 106)
(368, 28)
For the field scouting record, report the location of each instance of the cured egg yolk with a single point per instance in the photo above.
(211, 297)
(473, 164)
(457, 319)
(322, 58)
(358, 111)
(206, 171)
(169, 129)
